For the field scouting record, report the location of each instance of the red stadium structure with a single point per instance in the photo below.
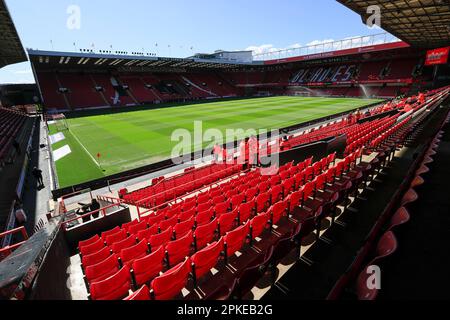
(350, 193)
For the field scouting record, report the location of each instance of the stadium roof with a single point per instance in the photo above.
(421, 23)
(11, 49)
(50, 59)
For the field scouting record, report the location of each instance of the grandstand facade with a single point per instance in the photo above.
(346, 191)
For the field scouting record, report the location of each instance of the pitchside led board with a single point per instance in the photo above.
(437, 56)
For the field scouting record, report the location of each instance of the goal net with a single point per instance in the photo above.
(60, 122)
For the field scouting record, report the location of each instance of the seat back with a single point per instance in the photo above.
(147, 268)
(134, 229)
(99, 256)
(110, 232)
(165, 224)
(128, 242)
(205, 259)
(102, 270)
(88, 241)
(234, 240)
(128, 255)
(401, 217)
(92, 248)
(247, 210)
(204, 217)
(116, 237)
(147, 233)
(113, 288)
(227, 222)
(178, 250)
(278, 210)
(170, 284)
(205, 234)
(143, 294)
(258, 224)
(160, 239)
(183, 228)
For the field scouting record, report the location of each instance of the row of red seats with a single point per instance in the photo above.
(172, 188)
(11, 122)
(171, 283)
(371, 134)
(225, 224)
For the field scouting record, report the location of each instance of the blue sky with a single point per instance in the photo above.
(205, 25)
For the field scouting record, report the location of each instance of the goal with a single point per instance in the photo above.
(60, 122)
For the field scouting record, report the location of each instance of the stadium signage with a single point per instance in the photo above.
(437, 56)
(345, 52)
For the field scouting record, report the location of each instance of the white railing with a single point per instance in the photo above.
(348, 43)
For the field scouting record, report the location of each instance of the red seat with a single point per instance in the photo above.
(247, 210)
(288, 186)
(164, 225)
(205, 234)
(204, 206)
(183, 228)
(275, 180)
(262, 202)
(410, 196)
(263, 187)
(222, 208)
(187, 215)
(147, 233)
(227, 222)
(300, 179)
(276, 193)
(128, 255)
(258, 224)
(143, 294)
(188, 205)
(277, 211)
(102, 270)
(110, 232)
(115, 287)
(251, 193)
(172, 282)
(237, 200)
(92, 248)
(126, 226)
(99, 256)
(202, 198)
(88, 242)
(401, 217)
(218, 199)
(204, 217)
(204, 260)
(116, 237)
(154, 219)
(118, 246)
(236, 239)
(134, 229)
(309, 173)
(160, 239)
(149, 267)
(178, 250)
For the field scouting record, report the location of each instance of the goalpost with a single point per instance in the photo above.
(60, 122)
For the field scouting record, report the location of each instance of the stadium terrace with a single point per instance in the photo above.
(313, 173)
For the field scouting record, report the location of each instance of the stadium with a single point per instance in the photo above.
(317, 172)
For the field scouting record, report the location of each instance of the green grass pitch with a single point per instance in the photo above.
(128, 140)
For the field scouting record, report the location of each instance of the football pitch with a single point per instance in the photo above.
(128, 140)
